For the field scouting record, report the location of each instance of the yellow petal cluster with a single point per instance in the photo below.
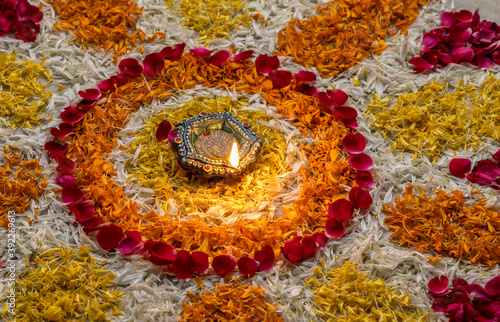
(22, 91)
(434, 119)
(212, 19)
(346, 294)
(157, 168)
(62, 286)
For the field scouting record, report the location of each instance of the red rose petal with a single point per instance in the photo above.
(86, 104)
(183, 266)
(446, 19)
(360, 161)
(200, 260)
(8, 20)
(430, 40)
(360, 198)
(341, 209)
(247, 266)
(484, 62)
(219, 58)
(173, 54)
(83, 210)
(130, 67)
(337, 97)
(153, 64)
(65, 166)
(460, 34)
(489, 167)
(90, 94)
(463, 16)
(459, 167)
(345, 112)
(223, 265)
(71, 194)
(172, 134)
(65, 180)
(265, 64)
(306, 89)
(334, 228)
(462, 54)
(106, 85)
(321, 239)
(420, 65)
(496, 156)
(131, 243)
(364, 179)
(305, 76)
(299, 249)
(55, 149)
(480, 177)
(354, 142)
(163, 130)
(92, 224)
(352, 124)
(109, 236)
(243, 55)
(438, 284)
(161, 253)
(63, 131)
(496, 56)
(72, 114)
(25, 31)
(280, 78)
(493, 286)
(201, 52)
(26, 11)
(265, 257)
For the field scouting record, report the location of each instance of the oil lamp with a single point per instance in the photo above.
(216, 144)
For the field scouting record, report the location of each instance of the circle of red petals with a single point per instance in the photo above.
(161, 253)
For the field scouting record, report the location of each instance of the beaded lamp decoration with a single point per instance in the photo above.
(216, 144)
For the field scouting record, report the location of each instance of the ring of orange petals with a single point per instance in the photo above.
(90, 193)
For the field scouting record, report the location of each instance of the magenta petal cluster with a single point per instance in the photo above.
(485, 172)
(464, 302)
(462, 38)
(20, 17)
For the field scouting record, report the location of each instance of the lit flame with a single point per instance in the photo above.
(234, 157)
